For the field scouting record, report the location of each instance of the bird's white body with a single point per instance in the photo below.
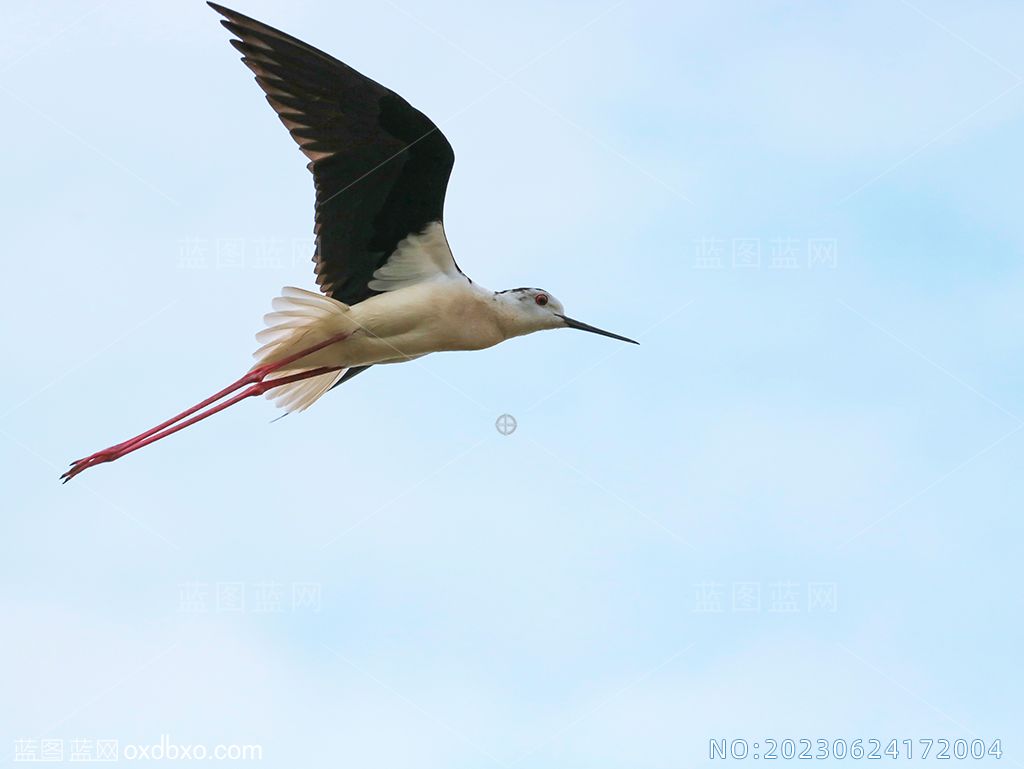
(427, 306)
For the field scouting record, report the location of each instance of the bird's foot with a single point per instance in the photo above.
(108, 455)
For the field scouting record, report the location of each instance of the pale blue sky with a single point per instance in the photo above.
(533, 600)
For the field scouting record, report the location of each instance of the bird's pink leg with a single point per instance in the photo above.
(254, 376)
(151, 436)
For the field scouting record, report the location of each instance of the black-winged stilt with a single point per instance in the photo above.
(391, 290)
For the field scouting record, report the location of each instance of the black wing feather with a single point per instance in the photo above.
(349, 373)
(380, 166)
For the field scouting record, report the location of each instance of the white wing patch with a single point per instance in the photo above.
(418, 258)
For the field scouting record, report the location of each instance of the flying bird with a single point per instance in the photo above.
(390, 290)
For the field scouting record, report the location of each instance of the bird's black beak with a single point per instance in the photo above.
(594, 330)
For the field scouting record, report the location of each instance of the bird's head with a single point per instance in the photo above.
(534, 309)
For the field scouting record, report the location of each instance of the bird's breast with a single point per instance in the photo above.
(426, 318)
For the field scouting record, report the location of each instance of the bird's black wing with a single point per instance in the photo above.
(349, 373)
(380, 166)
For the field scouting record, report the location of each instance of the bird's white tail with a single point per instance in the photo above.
(300, 319)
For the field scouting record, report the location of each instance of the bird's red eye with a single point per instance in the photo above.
(542, 299)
